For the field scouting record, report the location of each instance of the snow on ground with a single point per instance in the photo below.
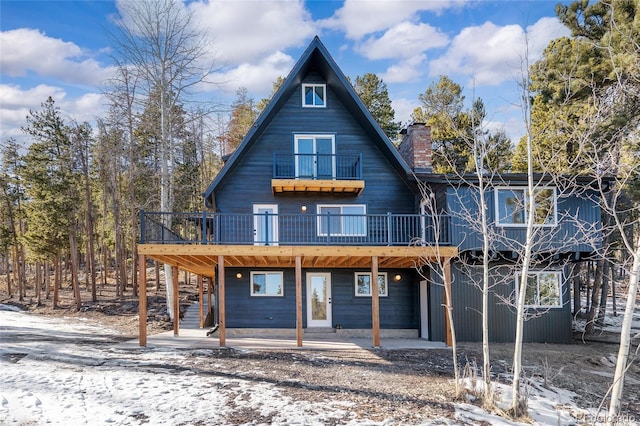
(68, 371)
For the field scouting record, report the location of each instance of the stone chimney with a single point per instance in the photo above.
(415, 147)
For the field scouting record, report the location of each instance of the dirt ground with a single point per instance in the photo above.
(408, 383)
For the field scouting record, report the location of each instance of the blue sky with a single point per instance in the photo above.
(62, 49)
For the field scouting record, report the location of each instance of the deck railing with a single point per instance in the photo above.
(294, 229)
(317, 166)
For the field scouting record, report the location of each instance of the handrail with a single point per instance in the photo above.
(317, 166)
(294, 229)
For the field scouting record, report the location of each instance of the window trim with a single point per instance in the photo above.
(524, 191)
(314, 86)
(314, 137)
(537, 273)
(386, 286)
(341, 206)
(266, 273)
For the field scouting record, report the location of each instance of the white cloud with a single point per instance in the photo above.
(492, 54)
(407, 70)
(404, 40)
(16, 102)
(248, 31)
(358, 18)
(27, 50)
(257, 77)
(403, 108)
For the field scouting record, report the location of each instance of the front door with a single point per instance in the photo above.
(265, 224)
(318, 299)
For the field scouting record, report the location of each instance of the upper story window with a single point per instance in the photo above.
(314, 95)
(543, 289)
(342, 220)
(266, 283)
(314, 156)
(512, 206)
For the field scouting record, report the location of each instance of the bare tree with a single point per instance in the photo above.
(159, 40)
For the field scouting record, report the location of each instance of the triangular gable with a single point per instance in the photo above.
(316, 55)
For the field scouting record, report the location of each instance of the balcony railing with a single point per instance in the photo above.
(294, 229)
(317, 166)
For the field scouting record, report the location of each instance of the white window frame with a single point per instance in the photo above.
(537, 274)
(341, 207)
(266, 274)
(314, 137)
(527, 199)
(383, 291)
(314, 86)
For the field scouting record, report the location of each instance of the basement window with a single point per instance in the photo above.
(543, 289)
(267, 283)
(363, 284)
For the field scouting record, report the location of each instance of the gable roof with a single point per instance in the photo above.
(315, 58)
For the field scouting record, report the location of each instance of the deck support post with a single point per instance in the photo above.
(375, 303)
(142, 299)
(299, 300)
(447, 300)
(201, 301)
(176, 302)
(221, 302)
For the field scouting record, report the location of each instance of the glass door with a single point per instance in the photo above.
(318, 299)
(314, 157)
(265, 224)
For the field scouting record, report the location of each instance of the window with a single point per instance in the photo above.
(543, 289)
(266, 284)
(314, 95)
(512, 210)
(342, 220)
(363, 284)
(315, 157)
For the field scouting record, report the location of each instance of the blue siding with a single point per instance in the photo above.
(399, 310)
(575, 232)
(550, 326)
(250, 181)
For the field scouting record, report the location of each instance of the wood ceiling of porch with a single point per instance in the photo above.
(201, 259)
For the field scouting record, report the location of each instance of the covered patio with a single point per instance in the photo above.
(210, 260)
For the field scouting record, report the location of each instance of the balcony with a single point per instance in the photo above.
(294, 229)
(317, 173)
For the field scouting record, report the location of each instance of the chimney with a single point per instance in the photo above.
(415, 147)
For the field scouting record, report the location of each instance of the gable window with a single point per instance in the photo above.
(512, 206)
(543, 289)
(314, 95)
(266, 283)
(363, 284)
(315, 157)
(342, 220)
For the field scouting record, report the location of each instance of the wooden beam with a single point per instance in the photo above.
(176, 302)
(375, 303)
(142, 299)
(201, 300)
(221, 301)
(299, 300)
(448, 304)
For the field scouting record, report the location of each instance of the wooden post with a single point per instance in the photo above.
(299, 300)
(176, 302)
(210, 292)
(142, 300)
(221, 302)
(201, 300)
(375, 303)
(447, 301)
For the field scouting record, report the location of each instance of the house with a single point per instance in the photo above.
(317, 223)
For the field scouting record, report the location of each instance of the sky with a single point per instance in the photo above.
(63, 49)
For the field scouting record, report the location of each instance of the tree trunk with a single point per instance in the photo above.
(47, 281)
(575, 270)
(56, 281)
(8, 272)
(625, 340)
(37, 283)
(595, 297)
(157, 275)
(73, 248)
(604, 294)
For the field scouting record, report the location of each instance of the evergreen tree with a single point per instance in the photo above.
(375, 96)
(243, 114)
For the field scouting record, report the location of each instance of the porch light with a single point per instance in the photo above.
(239, 275)
(303, 208)
(397, 277)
